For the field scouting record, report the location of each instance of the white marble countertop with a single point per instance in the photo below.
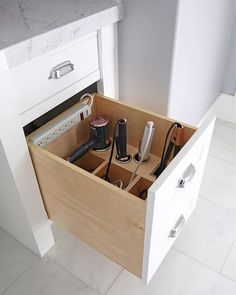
(29, 28)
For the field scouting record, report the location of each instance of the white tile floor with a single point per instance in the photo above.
(202, 261)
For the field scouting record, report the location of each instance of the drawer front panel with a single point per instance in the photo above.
(171, 224)
(157, 242)
(102, 215)
(36, 82)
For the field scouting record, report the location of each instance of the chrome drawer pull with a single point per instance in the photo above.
(61, 70)
(177, 227)
(187, 176)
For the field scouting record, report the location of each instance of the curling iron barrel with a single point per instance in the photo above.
(145, 144)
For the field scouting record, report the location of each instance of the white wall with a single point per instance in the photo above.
(172, 54)
(202, 39)
(145, 44)
(229, 82)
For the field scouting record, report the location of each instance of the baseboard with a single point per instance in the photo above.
(227, 108)
(223, 108)
(44, 238)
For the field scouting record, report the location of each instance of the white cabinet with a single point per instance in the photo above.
(169, 205)
(40, 83)
(133, 232)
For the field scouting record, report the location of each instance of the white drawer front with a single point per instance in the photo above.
(167, 201)
(33, 84)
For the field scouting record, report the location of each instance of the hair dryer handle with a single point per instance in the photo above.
(82, 150)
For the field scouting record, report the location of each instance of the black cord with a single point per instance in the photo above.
(111, 154)
(143, 194)
(164, 149)
(161, 167)
(108, 179)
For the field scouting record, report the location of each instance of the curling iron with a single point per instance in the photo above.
(145, 146)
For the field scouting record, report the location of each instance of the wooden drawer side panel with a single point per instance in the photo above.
(107, 218)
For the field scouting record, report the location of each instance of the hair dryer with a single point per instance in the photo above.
(98, 140)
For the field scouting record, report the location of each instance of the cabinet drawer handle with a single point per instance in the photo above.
(61, 70)
(177, 227)
(187, 176)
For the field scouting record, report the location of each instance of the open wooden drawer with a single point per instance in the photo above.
(133, 232)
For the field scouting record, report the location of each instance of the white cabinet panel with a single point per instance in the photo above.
(162, 215)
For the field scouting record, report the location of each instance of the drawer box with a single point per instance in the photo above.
(119, 223)
(84, 58)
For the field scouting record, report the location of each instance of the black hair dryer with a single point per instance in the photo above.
(99, 138)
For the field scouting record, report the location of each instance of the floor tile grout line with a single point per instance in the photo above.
(195, 259)
(72, 274)
(227, 255)
(228, 278)
(40, 259)
(228, 124)
(16, 279)
(220, 159)
(32, 253)
(113, 282)
(216, 204)
(203, 264)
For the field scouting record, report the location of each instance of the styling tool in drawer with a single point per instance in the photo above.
(98, 139)
(172, 145)
(143, 154)
(121, 142)
(145, 144)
